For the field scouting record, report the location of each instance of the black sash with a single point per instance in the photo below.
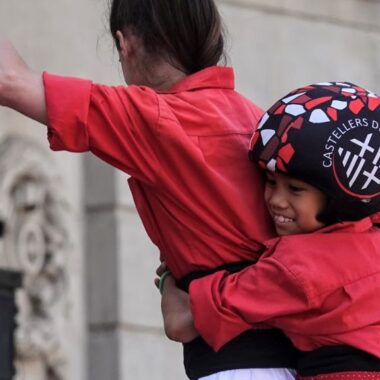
(253, 349)
(336, 359)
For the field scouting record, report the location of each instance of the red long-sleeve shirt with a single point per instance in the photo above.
(198, 195)
(321, 289)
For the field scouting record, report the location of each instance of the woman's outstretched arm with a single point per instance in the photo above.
(20, 88)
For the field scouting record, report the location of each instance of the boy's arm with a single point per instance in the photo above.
(225, 305)
(20, 88)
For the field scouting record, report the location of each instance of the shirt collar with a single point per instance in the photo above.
(211, 77)
(362, 225)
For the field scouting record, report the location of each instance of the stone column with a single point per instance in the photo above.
(36, 242)
(126, 339)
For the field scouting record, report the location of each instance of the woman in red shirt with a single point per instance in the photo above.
(181, 132)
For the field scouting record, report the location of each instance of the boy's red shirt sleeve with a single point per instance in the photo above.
(225, 305)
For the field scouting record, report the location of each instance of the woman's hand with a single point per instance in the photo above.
(175, 306)
(176, 311)
(20, 88)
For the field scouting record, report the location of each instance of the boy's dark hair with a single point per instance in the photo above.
(187, 33)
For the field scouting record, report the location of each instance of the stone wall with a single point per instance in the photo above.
(107, 320)
(277, 45)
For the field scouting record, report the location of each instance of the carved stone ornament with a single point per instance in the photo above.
(35, 241)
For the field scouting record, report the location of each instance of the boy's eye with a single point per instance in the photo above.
(270, 181)
(295, 188)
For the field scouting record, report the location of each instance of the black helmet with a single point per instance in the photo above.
(328, 135)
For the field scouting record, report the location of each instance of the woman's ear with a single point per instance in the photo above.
(123, 44)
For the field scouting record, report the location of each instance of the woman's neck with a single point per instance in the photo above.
(164, 76)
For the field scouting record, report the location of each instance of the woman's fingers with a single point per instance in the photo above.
(161, 269)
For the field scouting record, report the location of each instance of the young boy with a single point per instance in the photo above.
(320, 280)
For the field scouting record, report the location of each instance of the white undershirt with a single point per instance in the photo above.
(253, 374)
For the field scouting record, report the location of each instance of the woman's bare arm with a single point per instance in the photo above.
(20, 88)
(175, 307)
(176, 311)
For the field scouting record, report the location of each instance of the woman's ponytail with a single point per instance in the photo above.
(188, 33)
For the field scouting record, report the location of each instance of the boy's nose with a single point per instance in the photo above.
(278, 200)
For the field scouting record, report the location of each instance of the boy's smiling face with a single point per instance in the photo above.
(293, 204)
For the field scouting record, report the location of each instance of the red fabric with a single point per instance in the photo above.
(321, 289)
(198, 195)
(344, 376)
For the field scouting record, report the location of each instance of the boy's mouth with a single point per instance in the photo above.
(282, 219)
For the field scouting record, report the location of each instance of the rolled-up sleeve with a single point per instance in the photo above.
(67, 102)
(117, 124)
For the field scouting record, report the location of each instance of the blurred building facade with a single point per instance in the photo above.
(88, 308)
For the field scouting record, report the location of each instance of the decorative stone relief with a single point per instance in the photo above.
(35, 241)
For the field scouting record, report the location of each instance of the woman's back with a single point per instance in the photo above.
(186, 152)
